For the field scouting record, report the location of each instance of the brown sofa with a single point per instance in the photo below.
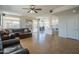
(23, 33)
(9, 44)
(11, 33)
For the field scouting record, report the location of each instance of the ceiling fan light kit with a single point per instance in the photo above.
(31, 11)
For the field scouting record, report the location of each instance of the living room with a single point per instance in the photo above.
(39, 29)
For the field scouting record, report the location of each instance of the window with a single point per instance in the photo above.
(55, 22)
(0, 20)
(11, 22)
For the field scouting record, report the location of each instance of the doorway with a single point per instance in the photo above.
(41, 28)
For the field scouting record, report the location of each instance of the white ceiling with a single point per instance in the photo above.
(17, 9)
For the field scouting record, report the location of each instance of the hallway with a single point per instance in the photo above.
(49, 44)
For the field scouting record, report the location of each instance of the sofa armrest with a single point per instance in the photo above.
(10, 42)
(21, 51)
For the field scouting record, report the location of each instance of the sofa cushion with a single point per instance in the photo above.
(10, 42)
(21, 51)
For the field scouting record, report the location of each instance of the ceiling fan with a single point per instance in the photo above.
(32, 9)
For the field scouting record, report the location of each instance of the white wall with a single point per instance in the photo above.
(69, 24)
(62, 26)
(72, 26)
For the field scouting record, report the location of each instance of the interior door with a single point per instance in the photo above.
(77, 27)
(63, 26)
(72, 26)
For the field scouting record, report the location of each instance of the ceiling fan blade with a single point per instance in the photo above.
(26, 8)
(35, 11)
(29, 11)
(38, 9)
